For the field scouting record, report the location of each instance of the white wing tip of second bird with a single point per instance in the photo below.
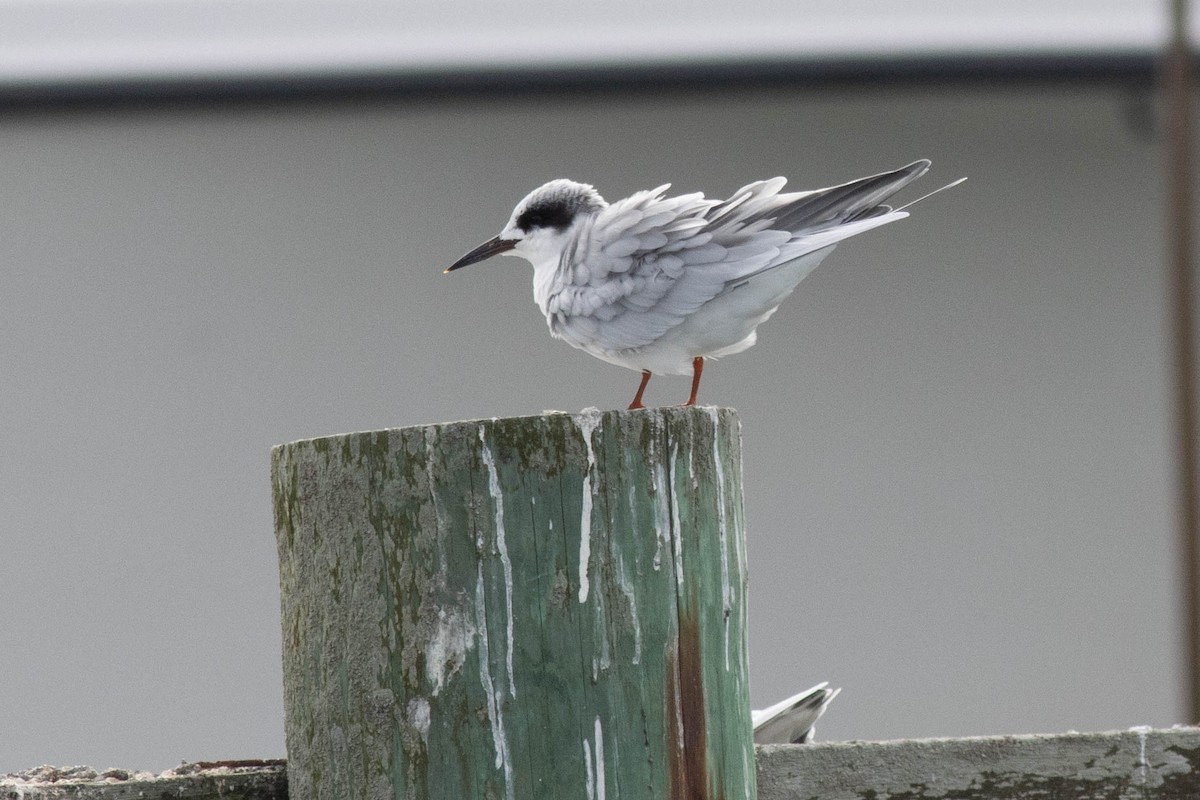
(759, 715)
(792, 720)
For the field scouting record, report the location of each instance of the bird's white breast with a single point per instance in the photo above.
(545, 283)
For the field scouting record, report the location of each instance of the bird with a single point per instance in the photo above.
(791, 721)
(661, 284)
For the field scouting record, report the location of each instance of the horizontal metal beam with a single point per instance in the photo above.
(1132, 67)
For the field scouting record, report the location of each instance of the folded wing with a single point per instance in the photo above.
(647, 262)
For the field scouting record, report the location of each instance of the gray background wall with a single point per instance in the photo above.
(957, 447)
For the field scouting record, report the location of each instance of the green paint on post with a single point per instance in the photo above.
(538, 607)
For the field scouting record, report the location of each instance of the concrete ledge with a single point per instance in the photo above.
(1142, 763)
(206, 780)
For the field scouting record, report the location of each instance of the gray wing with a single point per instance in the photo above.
(647, 262)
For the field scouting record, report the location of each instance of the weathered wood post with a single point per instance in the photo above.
(540, 607)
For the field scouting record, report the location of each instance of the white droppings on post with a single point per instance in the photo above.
(495, 702)
(1142, 765)
(627, 590)
(587, 420)
(587, 763)
(598, 738)
(601, 660)
(418, 714)
(676, 531)
(737, 520)
(677, 705)
(447, 648)
(723, 530)
(662, 521)
(489, 461)
(431, 438)
(747, 771)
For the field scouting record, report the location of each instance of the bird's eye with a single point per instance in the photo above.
(535, 221)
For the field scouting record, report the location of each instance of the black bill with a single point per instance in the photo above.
(491, 247)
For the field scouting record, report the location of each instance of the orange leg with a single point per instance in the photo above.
(637, 398)
(697, 368)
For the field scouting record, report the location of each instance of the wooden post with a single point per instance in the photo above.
(538, 607)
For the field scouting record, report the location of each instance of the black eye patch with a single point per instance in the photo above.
(553, 214)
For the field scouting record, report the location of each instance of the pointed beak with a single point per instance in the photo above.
(491, 247)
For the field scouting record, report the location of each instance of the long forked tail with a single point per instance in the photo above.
(818, 220)
(857, 200)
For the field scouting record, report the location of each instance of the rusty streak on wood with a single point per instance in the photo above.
(687, 715)
(673, 725)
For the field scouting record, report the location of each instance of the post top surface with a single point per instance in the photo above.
(584, 418)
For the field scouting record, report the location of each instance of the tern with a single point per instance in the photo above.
(659, 284)
(791, 721)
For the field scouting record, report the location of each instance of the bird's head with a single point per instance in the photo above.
(541, 224)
